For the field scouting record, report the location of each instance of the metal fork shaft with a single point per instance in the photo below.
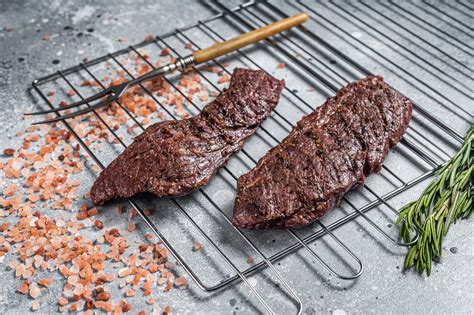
(180, 64)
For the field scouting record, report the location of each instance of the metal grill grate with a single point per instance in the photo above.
(314, 65)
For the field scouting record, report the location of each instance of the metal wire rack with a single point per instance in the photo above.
(309, 64)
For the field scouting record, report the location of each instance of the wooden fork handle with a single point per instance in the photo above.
(251, 37)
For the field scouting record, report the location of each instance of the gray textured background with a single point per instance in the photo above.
(92, 28)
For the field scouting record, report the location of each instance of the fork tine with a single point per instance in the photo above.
(75, 104)
(79, 112)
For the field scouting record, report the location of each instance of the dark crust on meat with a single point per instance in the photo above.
(329, 152)
(172, 158)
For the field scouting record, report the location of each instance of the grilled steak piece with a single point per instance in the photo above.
(172, 158)
(327, 153)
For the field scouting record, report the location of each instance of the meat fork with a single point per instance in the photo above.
(113, 93)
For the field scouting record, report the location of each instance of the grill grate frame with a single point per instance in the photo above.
(251, 16)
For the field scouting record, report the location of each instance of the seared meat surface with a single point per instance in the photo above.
(329, 152)
(173, 158)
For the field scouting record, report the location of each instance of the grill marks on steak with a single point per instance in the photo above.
(172, 158)
(329, 151)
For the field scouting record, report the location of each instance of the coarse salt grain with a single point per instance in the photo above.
(103, 296)
(165, 52)
(62, 301)
(34, 290)
(150, 301)
(123, 272)
(45, 282)
(35, 305)
(24, 288)
(98, 224)
(9, 152)
(181, 281)
(131, 227)
(129, 292)
(197, 246)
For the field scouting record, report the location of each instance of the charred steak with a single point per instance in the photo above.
(172, 158)
(327, 153)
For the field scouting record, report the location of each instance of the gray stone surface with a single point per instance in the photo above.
(430, 63)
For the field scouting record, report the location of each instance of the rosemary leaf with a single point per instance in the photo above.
(445, 200)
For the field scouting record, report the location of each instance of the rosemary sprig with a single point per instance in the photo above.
(445, 200)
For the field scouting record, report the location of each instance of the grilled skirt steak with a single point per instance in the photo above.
(172, 158)
(327, 153)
